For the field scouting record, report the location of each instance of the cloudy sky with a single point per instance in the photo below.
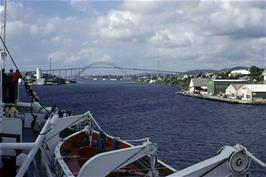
(179, 35)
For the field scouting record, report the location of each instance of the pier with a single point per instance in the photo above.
(226, 100)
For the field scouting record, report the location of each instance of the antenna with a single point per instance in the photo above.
(50, 65)
(158, 68)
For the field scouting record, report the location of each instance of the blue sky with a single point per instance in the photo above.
(182, 35)
(64, 8)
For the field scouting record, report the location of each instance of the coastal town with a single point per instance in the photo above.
(245, 86)
(235, 85)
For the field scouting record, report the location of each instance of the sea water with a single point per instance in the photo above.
(187, 130)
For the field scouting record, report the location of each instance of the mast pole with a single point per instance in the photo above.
(4, 36)
(50, 65)
(5, 24)
(3, 57)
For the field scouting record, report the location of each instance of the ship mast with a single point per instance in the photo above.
(3, 56)
(5, 23)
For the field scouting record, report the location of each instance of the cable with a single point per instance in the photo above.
(140, 169)
(68, 126)
(13, 61)
(135, 140)
(30, 93)
(44, 133)
(250, 155)
(8, 52)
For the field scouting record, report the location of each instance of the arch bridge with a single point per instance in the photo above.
(76, 72)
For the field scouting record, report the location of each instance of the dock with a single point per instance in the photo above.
(226, 100)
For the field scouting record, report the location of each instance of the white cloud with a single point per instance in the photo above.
(34, 29)
(172, 39)
(49, 28)
(182, 34)
(15, 26)
(117, 25)
(80, 5)
(142, 7)
(237, 21)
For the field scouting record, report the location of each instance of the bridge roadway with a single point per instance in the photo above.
(77, 70)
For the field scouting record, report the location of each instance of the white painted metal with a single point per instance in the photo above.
(34, 150)
(24, 104)
(11, 126)
(28, 105)
(218, 166)
(25, 146)
(104, 163)
(250, 155)
(65, 122)
(52, 138)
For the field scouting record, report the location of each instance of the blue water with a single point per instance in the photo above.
(187, 130)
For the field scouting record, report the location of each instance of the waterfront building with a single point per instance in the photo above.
(251, 92)
(209, 75)
(232, 91)
(198, 85)
(246, 78)
(240, 72)
(39, 79)
(264, 76)
(217, 86)
(185, 76)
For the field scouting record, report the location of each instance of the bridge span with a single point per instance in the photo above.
(74, 72)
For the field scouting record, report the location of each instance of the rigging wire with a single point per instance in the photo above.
(27, 87)
(138, 169)
(44, 133)
(135, 140)
(12, 59)
(68, 126)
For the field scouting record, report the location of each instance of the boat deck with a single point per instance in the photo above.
(76, 151)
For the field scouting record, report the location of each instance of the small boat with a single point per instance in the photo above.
(80, 153)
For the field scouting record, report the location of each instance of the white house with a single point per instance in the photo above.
(253, 91)
(232, 91)
(264, 76)
(198, 85)
(240, 71)
(39, 79)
